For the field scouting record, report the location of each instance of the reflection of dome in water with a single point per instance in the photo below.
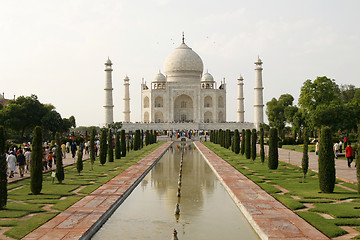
(183, 59)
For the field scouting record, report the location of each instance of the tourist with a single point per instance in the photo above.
(340, 146)
(345, 141)
(21, 162)
(349, 154)
(11, 161)
(317, 147)
(63, 150)
(73, 149)
(27, 158)
(68, 146)
(50, 159)
(44, 159)
(336, 149)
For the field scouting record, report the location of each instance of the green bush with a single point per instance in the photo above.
(289, 141)
(60, 175)
(236, 141)
(117, 146)
(305, 158)
(3, 177)
(137, 140)
(103, 146)
(110, 147)
(123, 143)
(242, 148)
(227, 138)
(36, 176)
(79, 162)
(326, 162)
(273, 149)
(358, 159)
(253, 144)
(247, 144)
(92, 146)
(262, 151)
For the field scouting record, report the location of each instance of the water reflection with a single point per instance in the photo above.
(206, 210)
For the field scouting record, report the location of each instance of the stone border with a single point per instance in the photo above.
(84, 218)
(269, 218)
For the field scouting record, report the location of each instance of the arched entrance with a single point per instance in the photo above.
(159, 117)
(208, 117)
(146, 117)
(183, 109)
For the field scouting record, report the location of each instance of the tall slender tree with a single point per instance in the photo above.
(358, 159)
(3, 177)
(92, 146)
(305, 158)
(36, 176)
(326, 162)
(123, 143)
(262, 151)
(236, 142)
(110, 147)
(79, 162)
(117, 146)
(137, 140)
(60, 175)
(142, 139)
(253, 144)
(247, 144)
(242, 148)
(273, 149)
(147, 137)
(103, 146)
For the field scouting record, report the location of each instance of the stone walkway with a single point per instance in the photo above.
(269, 218)
(343, 172)
(77, 219)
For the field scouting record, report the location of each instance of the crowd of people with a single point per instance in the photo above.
(349, 150)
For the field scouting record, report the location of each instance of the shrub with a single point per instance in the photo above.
(110, 147)
(147, 137)
(358, 159)
(142, 139)
(92, 146)
(60, 175)
(289, 141)
(242, 148)
(79, 162)
(247, 144)
(227, 138)
(262, 151)
(103, 146)
(326, 162)
(123, 143)
(3, 177)
(36, 176)
(253, 144)
(137, 140)
(236, 142)
(117, 146)
(305, 158)
(273, 149)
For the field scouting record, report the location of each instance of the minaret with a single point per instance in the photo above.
(108, 94)
(240, 100)
(126, 100)
(258, 92)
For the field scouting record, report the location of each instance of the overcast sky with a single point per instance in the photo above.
(57, 49)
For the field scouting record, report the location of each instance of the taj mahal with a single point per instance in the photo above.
(184, 97)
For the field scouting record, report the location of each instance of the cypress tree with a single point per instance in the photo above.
(326, 162)
(92, 146)
(36, 176)
(233, 143)
(60, 175)
(128, 142)
(358, 159)
(3, 177)
(123, 143)
(273, 149)
(247, 144)
(262, 151)
(228, 138)
(253, 144)
(79, 162)
(242, 148)
(117, 146)
(220, 137)
(103, 146)
(147, 137)
(155, 136)
(236, 142)
(142, 139)
(110, 147)
(137, 140)
(305, 158)
(132, 142)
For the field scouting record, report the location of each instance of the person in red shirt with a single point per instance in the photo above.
(349, 154)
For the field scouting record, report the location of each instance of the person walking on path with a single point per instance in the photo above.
(346, 140)
(349, 154)
(63, 150)
(11, 161)
(27, 159)
(336, 149)
(340, 146)
(73, 149)
(21, 162)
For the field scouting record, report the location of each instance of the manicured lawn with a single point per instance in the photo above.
(298, 148)
(25, 212)
(342, 207)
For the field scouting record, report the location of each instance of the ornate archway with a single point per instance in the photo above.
(159, 117)
(183, 109)
(146, 117)
(208, 118)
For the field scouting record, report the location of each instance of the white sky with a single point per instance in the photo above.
(57, 49)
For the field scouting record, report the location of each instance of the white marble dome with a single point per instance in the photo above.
(207, 77)
(159, 77)
(183, 59)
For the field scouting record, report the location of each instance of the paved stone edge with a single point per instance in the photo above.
(84, 218)
(266, 223)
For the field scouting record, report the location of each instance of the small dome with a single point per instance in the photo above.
(183, 59)
(207, 77)
(159, 77)
(108, 62)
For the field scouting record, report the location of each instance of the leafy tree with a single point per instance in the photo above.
(116, 126)
(92, 146)
(253, 144)
(326, 162)
(242, 148)
(52, 122)
(117, 146)
(36, 176)
(236, 142)
(60, 175)
(3, 177)
(79, 162)
(305, 158)
(103, 146)
(123, 143)
(273, 149)
(262, 151)
(247, 143)
(110, 147)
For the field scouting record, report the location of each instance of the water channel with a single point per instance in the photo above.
(206, 209)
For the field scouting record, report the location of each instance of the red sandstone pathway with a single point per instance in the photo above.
(77, 219)
(269, 218)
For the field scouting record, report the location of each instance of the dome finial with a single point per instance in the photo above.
(183, 37)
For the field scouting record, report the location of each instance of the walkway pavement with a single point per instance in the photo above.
(75, 221)
(343, 172)
(68, 160)
(269, 218)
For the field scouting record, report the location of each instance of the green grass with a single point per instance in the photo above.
(289, 177)
(298, 148)
(60, 196)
